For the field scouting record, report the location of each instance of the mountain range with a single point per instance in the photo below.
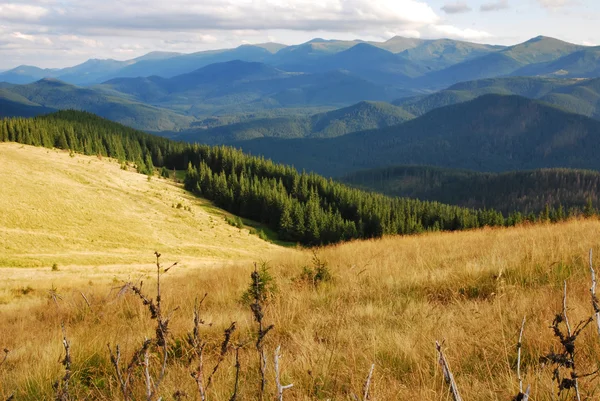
(491, 133)
(411, 63)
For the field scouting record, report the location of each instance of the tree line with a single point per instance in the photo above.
(301, 207)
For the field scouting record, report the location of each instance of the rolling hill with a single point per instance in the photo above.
(491, 133)
(14, 105)
(525, 191)
(581, 96)
(583, 63)
(48, 94)
(359, 117)
(238, 86)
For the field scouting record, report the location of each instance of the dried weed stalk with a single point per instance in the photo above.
(448, 377)
(198, 345)
(257, 308)
(564, 360)
(142, 356)
(62, 387)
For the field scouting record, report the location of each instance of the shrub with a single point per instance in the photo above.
(317, 274)
(266, 288)
(235, 221)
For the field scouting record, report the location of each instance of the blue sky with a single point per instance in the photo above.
(59, 33)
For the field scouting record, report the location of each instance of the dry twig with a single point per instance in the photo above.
(448, 377)
(595, 302)
(367, 385)
(62, 389)
(280, 388)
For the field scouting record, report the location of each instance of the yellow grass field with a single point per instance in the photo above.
(86, 212)
(387, 304)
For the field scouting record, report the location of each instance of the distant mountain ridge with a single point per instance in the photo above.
(492, 133)
(48, 95)
(413, 63)
(581, 96)
(359, 117)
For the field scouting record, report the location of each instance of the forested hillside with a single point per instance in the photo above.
(51, 94)
(491, 133)
(359, 117)
(580, 96)
(525, 191)
(305, 208)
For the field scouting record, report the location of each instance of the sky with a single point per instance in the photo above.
(61, 33)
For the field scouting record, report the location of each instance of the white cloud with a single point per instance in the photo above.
(306, 15)
(21, 12)
(553, 4)
(458, 33)
(456, 8)
(31, 38)
(495, 5)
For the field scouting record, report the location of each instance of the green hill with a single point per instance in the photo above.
(583, 63)
(14, 105)
(574, 95)
(359, 117)
(490, 133)
(525, 191)
(53, 94)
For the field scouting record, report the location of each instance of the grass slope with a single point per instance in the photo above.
(525, 191)
(388, 303)
(87, 212)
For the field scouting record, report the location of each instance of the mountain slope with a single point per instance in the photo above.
(580, 64)
(54, 94)
(574, 95)
(504, 62)
(525, 191)
(490, 133)
(359, 117)
(239, 86)
(14, 105)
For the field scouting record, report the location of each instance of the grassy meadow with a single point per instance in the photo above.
(387, 301)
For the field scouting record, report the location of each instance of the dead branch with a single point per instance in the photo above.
(126, 378)
(147, 378)
(367, 385)
(62, 390)
(519, 346)
(280, 388)
(237, 372)
(222, 354)
(595, 302)
(570, 336)
(448, 377)
(257, 311)
(6, 352)
(86, 300)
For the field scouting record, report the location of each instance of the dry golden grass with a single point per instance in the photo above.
(389, 301)
(84, 211)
